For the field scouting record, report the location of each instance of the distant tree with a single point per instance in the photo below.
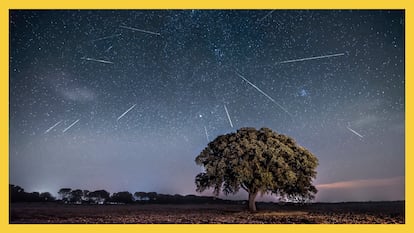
(258, 161)
(76, 196)
(16, 189)
(85, 195)
(165, 198)
(65, 194)
(99, 196)
(33, 197)
(141, 196)
(46, 197)
(17, 193)
(152, 195)
(122, 197)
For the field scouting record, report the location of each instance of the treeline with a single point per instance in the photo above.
(17, 194)
(78, 196)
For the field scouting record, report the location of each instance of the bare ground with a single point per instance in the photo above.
(336, 213)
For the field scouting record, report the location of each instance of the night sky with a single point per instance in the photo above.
(125, 100)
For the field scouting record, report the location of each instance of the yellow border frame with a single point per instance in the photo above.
(6, 5)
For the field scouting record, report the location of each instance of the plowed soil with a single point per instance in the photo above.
(336, 213)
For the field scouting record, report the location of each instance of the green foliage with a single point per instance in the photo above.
(258, 161)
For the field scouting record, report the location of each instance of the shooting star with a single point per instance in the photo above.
(205, 130)
(106, 37)
(312, 58)
(140, 30)
(267, 15)
(109, 48)
(228, 116)
(48, 130)
(263, 93)
(96, 60)
(70, 126)
(123, 114)
(355, 132)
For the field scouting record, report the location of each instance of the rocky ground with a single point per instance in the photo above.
(337, 213)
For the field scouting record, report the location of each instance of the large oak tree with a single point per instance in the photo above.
(258, 161)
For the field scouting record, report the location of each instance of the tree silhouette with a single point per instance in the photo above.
(122, 197)
(76, 196)
(141, 196)
(152, 195)
(85, 195)
(17, 193)
(99, 196)
(65, 194)
(46, 196)
(258, 161)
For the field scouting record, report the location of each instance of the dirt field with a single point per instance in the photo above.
(367, 212)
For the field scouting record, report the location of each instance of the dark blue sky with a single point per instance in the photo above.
(333, 80)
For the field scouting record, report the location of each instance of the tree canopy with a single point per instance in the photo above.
(258, 161)
(65, 194)
(17, 194)
(122, 197)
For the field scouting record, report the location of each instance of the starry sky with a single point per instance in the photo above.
(126, 99)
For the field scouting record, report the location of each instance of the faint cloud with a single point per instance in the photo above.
(69, 87)
(387, 189)
(80, 94)
(366, 120)
(363, 183)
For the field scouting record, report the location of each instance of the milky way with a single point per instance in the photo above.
(336, 80)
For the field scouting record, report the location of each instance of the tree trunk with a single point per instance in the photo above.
(252, 203)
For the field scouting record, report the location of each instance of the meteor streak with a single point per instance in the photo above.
(355, 132)
(228, 116)
(263, 93)
(123, 114)
(109, 48)
(48, 130)
(106, 37)
(312, 58)
(267, 15)
(140, 30)
(97, 60)
(70, 126)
